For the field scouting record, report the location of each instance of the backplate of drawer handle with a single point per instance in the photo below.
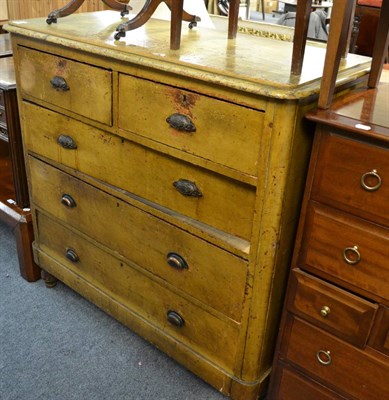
(72, 256)
(352, 255)
(371, 174)
(68, 201)
(59, 83)
(187, 188)
(176, 261)
(67, 142)
(181, 123)
(175, 319)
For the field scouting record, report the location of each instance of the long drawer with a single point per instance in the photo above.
(216, 130)
(347, 316)
(67, 84)
(351, 250)
(354, 177)
(173, 315)
(213, 199)
(336, 364)
(206, 272)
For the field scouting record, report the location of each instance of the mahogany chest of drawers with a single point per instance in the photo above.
(334, 336)
(165, 184)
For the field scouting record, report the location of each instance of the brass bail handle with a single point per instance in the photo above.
(365, 181)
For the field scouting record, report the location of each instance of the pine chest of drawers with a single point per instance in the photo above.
(165, 184)
(334, 338)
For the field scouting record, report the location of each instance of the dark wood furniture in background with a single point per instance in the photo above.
(334, 336)
(14, 201)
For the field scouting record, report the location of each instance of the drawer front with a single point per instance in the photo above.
(211, 275)
(347, 248)
(216, 130)
(354, 177)
(293, 386)
(70, 85)
(337, 364)
(201, 331)
(337, 311)
(224, 203)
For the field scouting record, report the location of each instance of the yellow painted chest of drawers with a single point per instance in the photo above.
(165, 184)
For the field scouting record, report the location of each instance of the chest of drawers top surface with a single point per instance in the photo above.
(250, 63)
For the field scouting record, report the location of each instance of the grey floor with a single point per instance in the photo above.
(54, 345)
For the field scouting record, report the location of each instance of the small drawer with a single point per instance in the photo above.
(335, 310)
(340, 366)
(354, 177)
(3, 117)
(182, 187)
(206, 272)
(212, 129)
(70, 85)
(293, 386)
(2, 98)
(63, 252)
(350, 250)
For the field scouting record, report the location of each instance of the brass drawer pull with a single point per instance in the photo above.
(176, 261)
(67, 142)
(324, 357)
(325, 311)
(59, 83)
(187, 188)
(181, 122)
(72, 256)
(366, 176)
(351, 255)
(175, 319)
(68, 201)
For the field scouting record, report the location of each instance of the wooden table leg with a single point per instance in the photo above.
(380, 46)
(337, 38)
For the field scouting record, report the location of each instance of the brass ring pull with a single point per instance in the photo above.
(325, 311)
(368, 175)
(324, 357)
(351, 255)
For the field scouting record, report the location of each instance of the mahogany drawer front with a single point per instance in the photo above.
(201, 331)
(67, 84)
(294, 386)
(343, 168)
(225, 204)
(347, 248)
(213, 129)
(335, 310)
(206, 272)
(335, 363)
